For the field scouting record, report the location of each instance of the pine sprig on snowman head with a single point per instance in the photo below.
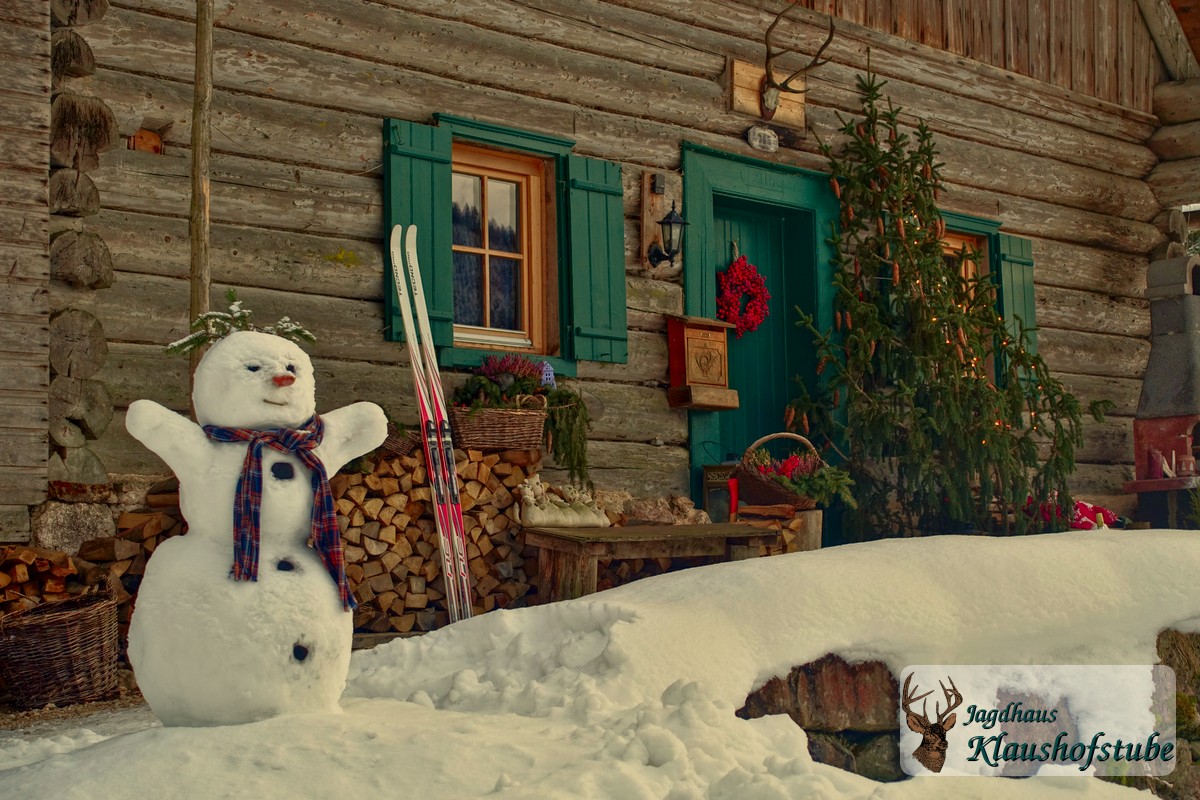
(214, 325)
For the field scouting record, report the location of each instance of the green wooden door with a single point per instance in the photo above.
(782, 217)
(763, 362)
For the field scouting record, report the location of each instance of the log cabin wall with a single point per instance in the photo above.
(301, 87)
(24, 261)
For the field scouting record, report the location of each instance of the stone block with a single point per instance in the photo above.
(878, 758)
(1171, 277)
(1175, 315)
(65, 526)
(832, 695)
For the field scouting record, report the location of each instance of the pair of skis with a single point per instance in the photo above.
(435, 424)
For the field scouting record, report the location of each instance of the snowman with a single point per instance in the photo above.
(249, 615)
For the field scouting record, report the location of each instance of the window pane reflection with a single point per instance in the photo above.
(467, 213)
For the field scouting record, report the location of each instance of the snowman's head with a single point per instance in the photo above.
(254, 380)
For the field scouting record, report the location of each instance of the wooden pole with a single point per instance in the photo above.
(198, 220)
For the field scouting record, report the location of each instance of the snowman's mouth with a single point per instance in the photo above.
(275, 402)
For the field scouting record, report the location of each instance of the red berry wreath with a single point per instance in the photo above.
(742, 278)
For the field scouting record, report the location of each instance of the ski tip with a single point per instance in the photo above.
(410, 237)
(396, 237)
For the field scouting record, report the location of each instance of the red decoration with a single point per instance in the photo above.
(742, 278)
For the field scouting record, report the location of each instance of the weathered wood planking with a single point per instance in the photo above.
(1034, 38)
(1093, 353)
(24, 262)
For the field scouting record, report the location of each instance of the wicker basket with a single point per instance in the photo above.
(61, 652)
(398, 443)
(758, 489)
(500, 428)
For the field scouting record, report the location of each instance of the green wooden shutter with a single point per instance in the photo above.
(1015, 286)
(416, 191)
(596, 246)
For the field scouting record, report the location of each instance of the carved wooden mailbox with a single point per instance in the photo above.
(698, 359)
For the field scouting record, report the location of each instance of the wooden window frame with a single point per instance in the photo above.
(530, 173)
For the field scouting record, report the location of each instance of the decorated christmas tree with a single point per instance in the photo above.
(946, 419)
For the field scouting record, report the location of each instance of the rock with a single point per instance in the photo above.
(686, 513)
(878, 758)
(642, 510)
(832, 695)
(773, 697)
(65, 526)
(832, 750)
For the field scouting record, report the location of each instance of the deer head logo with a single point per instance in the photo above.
(932, 750)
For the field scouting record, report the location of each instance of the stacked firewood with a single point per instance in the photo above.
(393, 554)
(33, 575)
(139, 533)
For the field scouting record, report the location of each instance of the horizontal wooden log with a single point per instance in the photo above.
(245, 256)
(25, 77)
(643, 470)
(23, 485)
(632, 413)
(1175, 182)
(28, 300)
(22, 336)
(24, 262)
(21, 411)
(1058, 307)
(647, 362)
(1174, 142)
(22, 448)
(1177, 102)
(272, 195)
(649, 301)
(1093, 353)
(1124, 393)
(1075, 266)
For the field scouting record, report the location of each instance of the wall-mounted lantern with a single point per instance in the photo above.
(672, 239)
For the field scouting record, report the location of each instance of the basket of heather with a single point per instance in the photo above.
(802, 479)
(515, 403)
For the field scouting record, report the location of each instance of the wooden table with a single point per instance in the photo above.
(567, 556)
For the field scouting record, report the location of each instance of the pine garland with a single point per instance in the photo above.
(213, 325)
(933, 442)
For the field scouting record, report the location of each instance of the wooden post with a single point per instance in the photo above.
(198, 219)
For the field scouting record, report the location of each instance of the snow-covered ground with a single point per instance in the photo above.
(630, 693)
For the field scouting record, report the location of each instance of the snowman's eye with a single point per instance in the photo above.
(253, 367)
(291, 368)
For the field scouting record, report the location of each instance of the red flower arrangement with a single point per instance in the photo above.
(742, 278)
(793, 466)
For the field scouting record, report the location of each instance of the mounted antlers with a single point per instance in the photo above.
(771, 89)
(932, 750)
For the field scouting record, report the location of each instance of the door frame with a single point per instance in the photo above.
(709, 173)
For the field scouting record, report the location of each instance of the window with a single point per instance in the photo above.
(544, 274)
(499, 247)
(1006, 258)
(965, 253)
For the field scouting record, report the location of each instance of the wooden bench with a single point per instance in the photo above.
(567, 556)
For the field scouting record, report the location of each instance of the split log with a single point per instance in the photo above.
(81, 259)
(73, 194)
(70, 56)
(108, 548)
(78, 465)
(84, 402)
(66, 13)
(77, 344)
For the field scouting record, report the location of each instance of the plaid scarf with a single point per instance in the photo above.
(326, 537)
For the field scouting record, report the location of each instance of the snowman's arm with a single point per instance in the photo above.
(349, 432)
(174, 438)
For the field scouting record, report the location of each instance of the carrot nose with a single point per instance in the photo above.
(284, 380)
